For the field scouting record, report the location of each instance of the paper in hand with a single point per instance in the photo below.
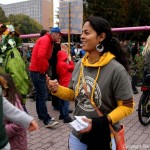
(79, 124)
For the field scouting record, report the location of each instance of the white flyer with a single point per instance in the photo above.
(79, 124)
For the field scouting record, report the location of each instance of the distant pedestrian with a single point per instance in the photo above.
(43, 32)
(77, 53)
(134, 49)
(127, 51)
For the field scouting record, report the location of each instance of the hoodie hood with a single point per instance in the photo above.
(104, 59)
(62, 56)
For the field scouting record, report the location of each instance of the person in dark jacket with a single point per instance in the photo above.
(39, 66)
(53, 62)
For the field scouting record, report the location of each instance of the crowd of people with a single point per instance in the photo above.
(94, 74)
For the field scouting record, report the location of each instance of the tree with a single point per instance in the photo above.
(115, 11)
(144, 14)
(3, 18)
(139, 15)
(24, 24)
(120, 12)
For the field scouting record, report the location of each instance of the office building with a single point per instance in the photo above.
(39, 10)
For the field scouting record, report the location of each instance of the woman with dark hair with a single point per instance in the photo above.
(100, 83)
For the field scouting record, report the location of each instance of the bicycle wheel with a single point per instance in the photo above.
(144, 108)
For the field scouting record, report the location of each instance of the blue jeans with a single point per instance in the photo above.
(64, 108)
(41, 95)
(75, 144)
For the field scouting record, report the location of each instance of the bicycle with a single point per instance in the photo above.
(144, 103)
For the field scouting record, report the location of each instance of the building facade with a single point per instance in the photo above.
(39, 10)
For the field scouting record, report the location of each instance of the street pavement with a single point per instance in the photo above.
(137, 136)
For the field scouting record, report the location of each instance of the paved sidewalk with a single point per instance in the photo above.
(137, 136)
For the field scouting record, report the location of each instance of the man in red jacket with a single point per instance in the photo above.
(39, 66)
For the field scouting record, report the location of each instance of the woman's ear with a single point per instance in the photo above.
(102, 36)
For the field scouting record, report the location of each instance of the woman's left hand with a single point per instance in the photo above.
(89, 128)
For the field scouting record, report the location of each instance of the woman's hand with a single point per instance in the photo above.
(52, 84)
(89, 128)
(33, 126)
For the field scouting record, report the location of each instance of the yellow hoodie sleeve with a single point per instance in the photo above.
(65, 93)
(123, 109)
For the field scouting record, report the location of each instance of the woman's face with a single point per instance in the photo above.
(89, 38)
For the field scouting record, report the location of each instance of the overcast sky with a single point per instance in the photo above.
(56, 2)
(10, 1)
